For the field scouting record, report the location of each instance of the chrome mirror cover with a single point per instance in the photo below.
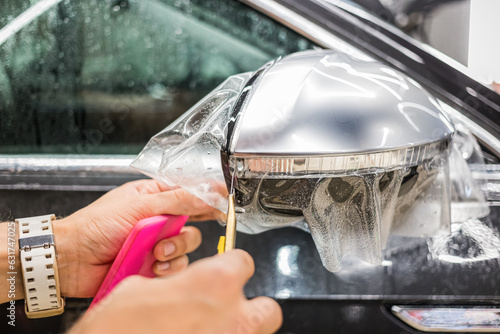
(362, 149)
(326, 102)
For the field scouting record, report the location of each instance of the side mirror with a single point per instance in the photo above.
(345, 148)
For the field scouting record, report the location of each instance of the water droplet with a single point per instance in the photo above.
(280, 183)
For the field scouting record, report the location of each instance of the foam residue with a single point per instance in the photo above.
(350, 214)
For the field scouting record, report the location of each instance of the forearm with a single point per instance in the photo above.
(11, 284)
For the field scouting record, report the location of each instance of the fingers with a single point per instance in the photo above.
(264, 315)
(132, 189)
(150, 186)
(175, 202)
(217, 284)
(224, 276)
(170, 267)
(239, 261)
(148, 198)
(235, 266)
(211, 215)
(187, 241)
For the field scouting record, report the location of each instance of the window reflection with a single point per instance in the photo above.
(104, 76)
(461, 29)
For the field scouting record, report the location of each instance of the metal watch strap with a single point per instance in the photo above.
(38, 254)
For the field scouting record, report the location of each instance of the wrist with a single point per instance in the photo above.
(67, 257)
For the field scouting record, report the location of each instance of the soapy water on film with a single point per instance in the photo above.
(470, 241)
(345, 214)
(348, 214)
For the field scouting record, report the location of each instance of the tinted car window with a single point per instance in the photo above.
(442, 24)
(104, 76)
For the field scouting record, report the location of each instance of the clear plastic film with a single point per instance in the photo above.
(187, 153)
(467, 199)
(352, 212)
(350, 201)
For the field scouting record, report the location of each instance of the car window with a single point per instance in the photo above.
(101, 77)
(461, 30)
(442, 24)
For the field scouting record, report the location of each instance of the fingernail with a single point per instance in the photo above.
(168, 248)
(163, 266)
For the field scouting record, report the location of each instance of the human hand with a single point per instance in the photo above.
(89, 240)
(496, 87)
(205, 298)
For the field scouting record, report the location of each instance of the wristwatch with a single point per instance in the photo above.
(38, 256)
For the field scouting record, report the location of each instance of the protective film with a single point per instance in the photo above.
(404, 179)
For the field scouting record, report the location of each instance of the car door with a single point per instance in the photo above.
(85, 84)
